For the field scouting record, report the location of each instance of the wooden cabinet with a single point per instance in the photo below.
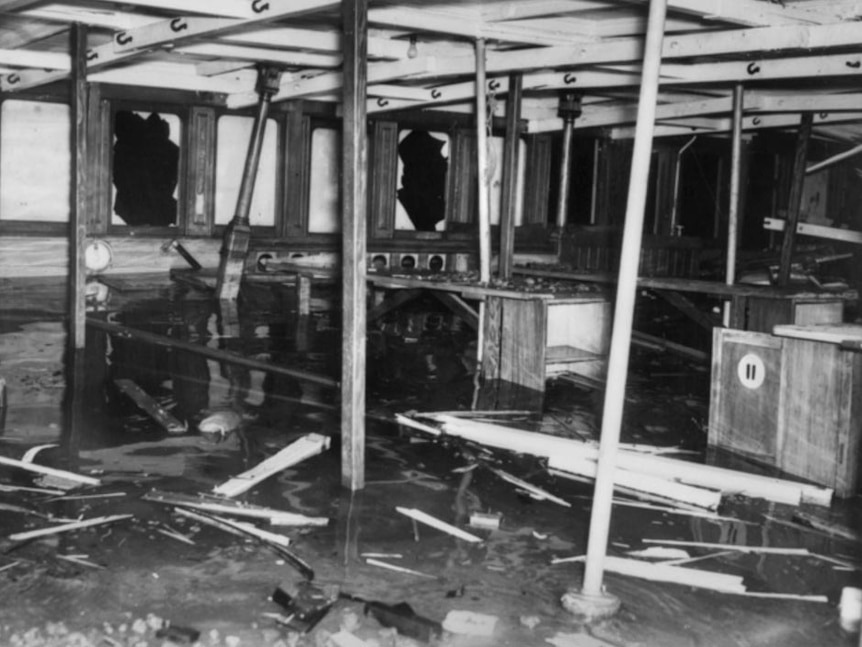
(527, 340)
(792, 399)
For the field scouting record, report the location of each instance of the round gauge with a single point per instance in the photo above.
(98, 255)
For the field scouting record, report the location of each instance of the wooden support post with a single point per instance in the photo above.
(511, 149)
(353, 190)
(795, 203)
(303, 293)
(733, 207)
(238, 232)
(80, 189)
(591, 600)
(482, 161)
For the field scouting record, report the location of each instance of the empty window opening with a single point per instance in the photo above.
(423, 162)
(234, 135)
(146, 162)
(35, 162)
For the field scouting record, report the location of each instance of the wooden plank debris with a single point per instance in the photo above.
(532, 490)
(152, 408)
(427, 519)
(767, 550)
(67, 527)
(234, 508)
(298, 451)
(79, 479)
(672, 574)
(399, 569)
(568, 455)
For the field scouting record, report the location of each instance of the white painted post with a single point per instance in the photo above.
(592, 596)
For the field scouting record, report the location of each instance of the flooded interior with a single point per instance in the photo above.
(115, 582)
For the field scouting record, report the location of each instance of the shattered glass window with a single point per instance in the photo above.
(146, 156)
(423, 163)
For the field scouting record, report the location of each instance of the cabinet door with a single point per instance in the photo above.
(819, 437)
(745, 393)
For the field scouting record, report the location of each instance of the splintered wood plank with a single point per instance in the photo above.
(152, 408)
(49, 471)
(298, 451)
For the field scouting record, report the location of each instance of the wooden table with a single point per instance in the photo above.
(527, 335)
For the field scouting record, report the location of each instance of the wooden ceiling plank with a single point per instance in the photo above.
(749, 123)
(31, 58)
(316, 40)
(467, 24)
(177, 30)
(223, 8)
(259, 54)
(331, 81)
(11, 6)
(520, 9)
(751, 13)
(106, 19)
(739, 41)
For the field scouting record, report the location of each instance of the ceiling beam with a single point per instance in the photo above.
(260, 54)
(177, 30)
(750, 13)
(328, 82)
(466, 23)
(223, 8)
(724, 125)
(739, 41)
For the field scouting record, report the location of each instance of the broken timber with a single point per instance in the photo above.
(298, 451)
(66, 527)
(156, 411)
(568, 455)
(50, 471)
(427, 519)
(237, 509)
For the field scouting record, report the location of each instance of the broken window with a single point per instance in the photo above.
(145, 168)
(35, 161)
(234, 135)
(423, 163)
(324, 191)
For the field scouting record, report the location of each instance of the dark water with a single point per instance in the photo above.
(419, 358)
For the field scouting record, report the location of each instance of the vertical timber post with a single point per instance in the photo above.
(482, 163)
(80, 189)
(238, 231)
(354, 186)
(592, 602)
(795, 203)
(569, 110)
(733, 207)
(511, 150)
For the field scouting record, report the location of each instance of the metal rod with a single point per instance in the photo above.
(565, 172)
(733, 207)
(625, 300)
(206, 351)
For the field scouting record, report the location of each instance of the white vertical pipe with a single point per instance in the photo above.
(482, 162)
(733, 207)
(625, 301)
